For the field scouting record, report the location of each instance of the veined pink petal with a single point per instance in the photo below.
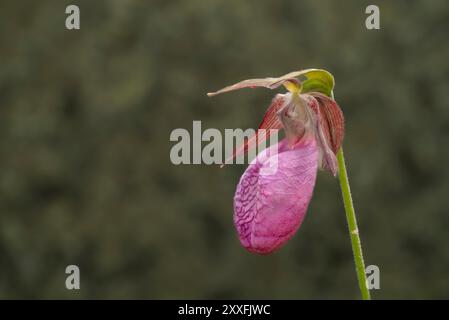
(273, 194)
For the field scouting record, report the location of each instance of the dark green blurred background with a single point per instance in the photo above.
(85, 173)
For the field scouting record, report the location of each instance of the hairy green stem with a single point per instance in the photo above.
(352, 225)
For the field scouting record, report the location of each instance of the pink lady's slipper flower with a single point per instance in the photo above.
(269, 208)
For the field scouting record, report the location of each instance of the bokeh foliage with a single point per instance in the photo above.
(85, 120)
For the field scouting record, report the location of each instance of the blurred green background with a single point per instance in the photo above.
(85, 173)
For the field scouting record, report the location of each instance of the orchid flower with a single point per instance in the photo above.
(269, 208)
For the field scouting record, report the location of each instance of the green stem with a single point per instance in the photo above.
(352, 225)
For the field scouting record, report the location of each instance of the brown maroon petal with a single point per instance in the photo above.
(270, 122)
(332, 120)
